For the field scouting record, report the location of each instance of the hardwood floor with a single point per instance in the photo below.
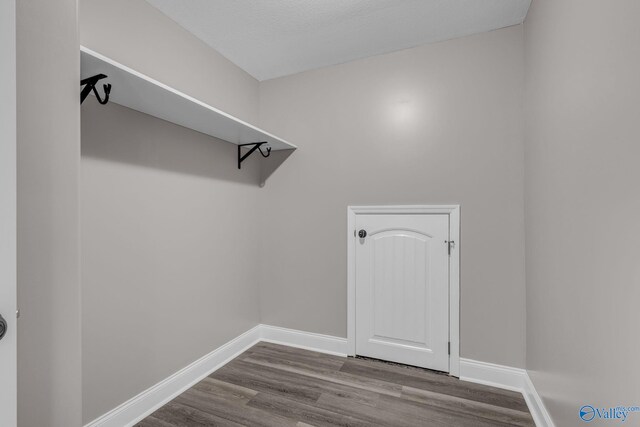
(273, 385)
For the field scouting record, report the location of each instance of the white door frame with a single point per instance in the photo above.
(8, 371)
(454, 271)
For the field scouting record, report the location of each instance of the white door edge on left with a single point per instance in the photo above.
(453, 211)
(8, 360)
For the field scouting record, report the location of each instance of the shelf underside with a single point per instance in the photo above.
(142, 93)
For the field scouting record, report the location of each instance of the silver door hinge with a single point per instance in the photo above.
(450, 245)
(449, 347)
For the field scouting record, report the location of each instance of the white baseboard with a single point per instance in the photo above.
(493, 375)
(508, 378)
(305, 340)
(153, 398)
(536, 406)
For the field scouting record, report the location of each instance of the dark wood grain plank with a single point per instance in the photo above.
(261, 380)
(313, 383)
(305, 413)
(318, 365)
(231, 409)
(225, 390)
(469, 407)
(298, 355)
(368, 413)
(180, 415)
(436, 382)
(431, 415)
(330, 375)
(320, 384)
(273, 385)
(151, 421)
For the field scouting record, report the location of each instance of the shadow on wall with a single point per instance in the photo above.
(119, 134)
(273, 162)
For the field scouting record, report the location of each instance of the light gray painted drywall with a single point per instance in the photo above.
(582, 205)
(48, 121)
(138, 35)
(432, 125)
(169, 224)
(169, 243)
(8, 233)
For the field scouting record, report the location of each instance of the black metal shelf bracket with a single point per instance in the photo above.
(256, 146)
(90, 85)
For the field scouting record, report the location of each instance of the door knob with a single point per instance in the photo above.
(3, 326)
(362, 234)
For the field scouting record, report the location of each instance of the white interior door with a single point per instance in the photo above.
(8, 212)
(402, 289)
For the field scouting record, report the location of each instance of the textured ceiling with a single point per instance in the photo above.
(273, 38)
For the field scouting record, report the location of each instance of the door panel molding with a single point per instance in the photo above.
(406, 230)
(454, 270)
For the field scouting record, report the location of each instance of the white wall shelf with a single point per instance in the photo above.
(142, 93)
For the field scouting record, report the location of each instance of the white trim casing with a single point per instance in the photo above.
(153, 398)
(454, 271)
(138, 407)
(142, 405)
(305, 340)
(506, 377)
(536, 406)
(491, 374)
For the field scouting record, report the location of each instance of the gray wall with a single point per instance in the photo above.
(8, 234)
(169, 224)
(432, 125)
(171, 230)
(137, 34)
(48, 70)
(582, 205)
(168, 248)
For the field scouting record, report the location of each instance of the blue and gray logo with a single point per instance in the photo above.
(589, 413)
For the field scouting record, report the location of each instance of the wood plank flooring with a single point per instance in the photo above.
(274, 385)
